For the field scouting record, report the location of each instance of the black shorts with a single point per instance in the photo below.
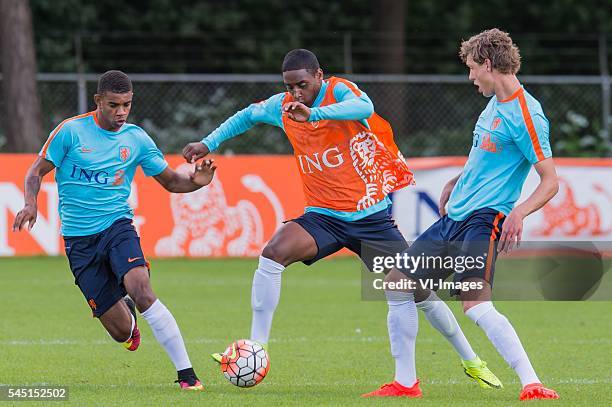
(371, 236)
(100, 261)
(456, 242)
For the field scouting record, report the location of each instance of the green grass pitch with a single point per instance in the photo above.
(328, 346)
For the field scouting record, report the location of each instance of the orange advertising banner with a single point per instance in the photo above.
(252, 195)
(235, 215)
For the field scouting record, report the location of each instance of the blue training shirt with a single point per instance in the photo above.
(349, 107)
(95, 168)
(510, 136)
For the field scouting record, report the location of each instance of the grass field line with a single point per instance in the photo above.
(286, 340)
(70, 342)
(428, 382)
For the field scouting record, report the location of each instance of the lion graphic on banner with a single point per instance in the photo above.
(565, 217)
(205, 225)
(375, 165)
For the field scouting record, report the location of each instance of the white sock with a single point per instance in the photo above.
(264, 298)
(167, 333)
(133, 325)
(403, 325)
(441, 317)
(503, 336)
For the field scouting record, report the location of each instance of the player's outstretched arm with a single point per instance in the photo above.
(267, 111)
(545, 191)
(176, 182)
(352, 109)
(351, 104)
(33, 179)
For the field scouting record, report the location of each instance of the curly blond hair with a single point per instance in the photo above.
(495, 45)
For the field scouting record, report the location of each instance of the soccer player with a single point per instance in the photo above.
(348, 163)
(95, 156)
(511, 136)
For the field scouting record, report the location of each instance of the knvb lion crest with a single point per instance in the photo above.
(206, 225)
(124, 153)
(379, 169)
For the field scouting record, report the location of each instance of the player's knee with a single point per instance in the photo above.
(421, 294)
(467, 305)
(394, 276)
(144, 299)
(139, 288)
(143, 295)
(275, 253)
(395, 279)
(121, 333)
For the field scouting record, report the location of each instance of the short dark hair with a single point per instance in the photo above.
(300, 59)
(115, 82)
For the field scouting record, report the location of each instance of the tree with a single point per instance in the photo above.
(389, 25)
(22, 118)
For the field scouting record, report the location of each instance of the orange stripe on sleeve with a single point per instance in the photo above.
(530, 127)
(43, 153)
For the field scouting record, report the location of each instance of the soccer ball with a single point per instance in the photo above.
(245, 363)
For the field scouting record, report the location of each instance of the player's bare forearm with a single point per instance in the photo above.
(33, 179)
(513, 225)
(182, 183)
(545, 191)
(32, 187)
(454, 180)
(176, 182)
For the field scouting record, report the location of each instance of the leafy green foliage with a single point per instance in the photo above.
(253, 35)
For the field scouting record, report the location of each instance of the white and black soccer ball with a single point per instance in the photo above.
(245, 363)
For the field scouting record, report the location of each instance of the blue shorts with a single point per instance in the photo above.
(99, 262)
(368, 237)
(475, 237)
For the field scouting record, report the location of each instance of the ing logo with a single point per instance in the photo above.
(488, 145)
